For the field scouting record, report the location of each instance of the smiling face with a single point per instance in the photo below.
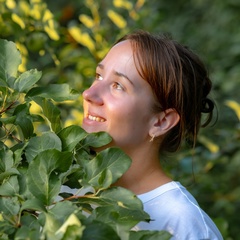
(119, 101)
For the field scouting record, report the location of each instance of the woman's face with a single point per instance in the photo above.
(119, 101)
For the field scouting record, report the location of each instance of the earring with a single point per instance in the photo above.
(152, 138)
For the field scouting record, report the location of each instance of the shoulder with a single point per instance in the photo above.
(174, 209)
(172, 201)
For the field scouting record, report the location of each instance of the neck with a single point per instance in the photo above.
(145, 173)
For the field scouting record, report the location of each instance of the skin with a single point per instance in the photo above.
(120, 103)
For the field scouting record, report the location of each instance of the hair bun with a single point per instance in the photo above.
(207, 105)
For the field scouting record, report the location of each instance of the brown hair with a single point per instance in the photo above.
(178, 79)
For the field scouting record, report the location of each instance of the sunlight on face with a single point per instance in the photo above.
(119, 100)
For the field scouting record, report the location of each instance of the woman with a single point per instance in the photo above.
(149, 94)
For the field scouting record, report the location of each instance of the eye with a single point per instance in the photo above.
(117, 86)
(98, 77)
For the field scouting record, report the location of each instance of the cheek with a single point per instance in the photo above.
(129, 116)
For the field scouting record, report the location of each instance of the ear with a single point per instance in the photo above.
(163, 122)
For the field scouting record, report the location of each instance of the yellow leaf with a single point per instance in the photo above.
(133, 14)
(98, 37)
(42, 53)
(11, 4)
(212, 147)
(51, 23)
(102, 53)
(35, 1)
(23, 66)
(89, 3)
(24, 52)
(234, 106)
(208, 166)
(35, 108)
(72, 220)
(51, 33)
(24, 7)
(36, 12)
(122, 4)
(117, 19)
(18, 20)
(140, 3)
(82, 38)
(120, 204)
(86, 20)
(76, 33)
(47, 15)
(77, 118)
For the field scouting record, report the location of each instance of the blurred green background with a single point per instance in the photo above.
(65, 40)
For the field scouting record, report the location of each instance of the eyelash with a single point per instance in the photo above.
(116, 85)
(98, 77)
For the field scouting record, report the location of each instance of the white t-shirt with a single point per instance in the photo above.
(172, 208)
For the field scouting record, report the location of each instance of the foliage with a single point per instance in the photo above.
(34, 168)
(66, 40)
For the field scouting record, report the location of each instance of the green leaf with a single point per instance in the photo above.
(105, 168)
(149, 235)
(3, 90)
(50, 227)
(9, 206)
(43, 180)
(18, 150)
(57, 92)
(73, 232)
(26, 80)
(72, 220)
(122, 220)
(62, 210)
(71, 136)
(8, 120)
(26, 126)
(10, 187)
(124, 201)
(30, 221)
(47, 140)
(6, 227)
(10, 59)
(3, 83)
(33, 204)
(8, 173)
(72, 176)
(6, 159)
(117, 207)
(122, 197)
(56, 216)
(119, 200)
(23, 120)
(97, 140)
(22, 180)
(50, 113)
(99, 230)
(27, 233)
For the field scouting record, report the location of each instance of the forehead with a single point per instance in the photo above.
(122, 50)
(120, 59)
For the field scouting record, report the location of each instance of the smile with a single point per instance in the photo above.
(94, 118)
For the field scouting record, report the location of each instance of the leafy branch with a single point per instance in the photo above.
(38, 164)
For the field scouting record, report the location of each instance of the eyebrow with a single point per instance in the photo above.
(100, 65)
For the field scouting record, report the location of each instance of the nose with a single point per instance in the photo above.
(93, 95)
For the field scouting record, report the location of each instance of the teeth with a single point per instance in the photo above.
(93, 118)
